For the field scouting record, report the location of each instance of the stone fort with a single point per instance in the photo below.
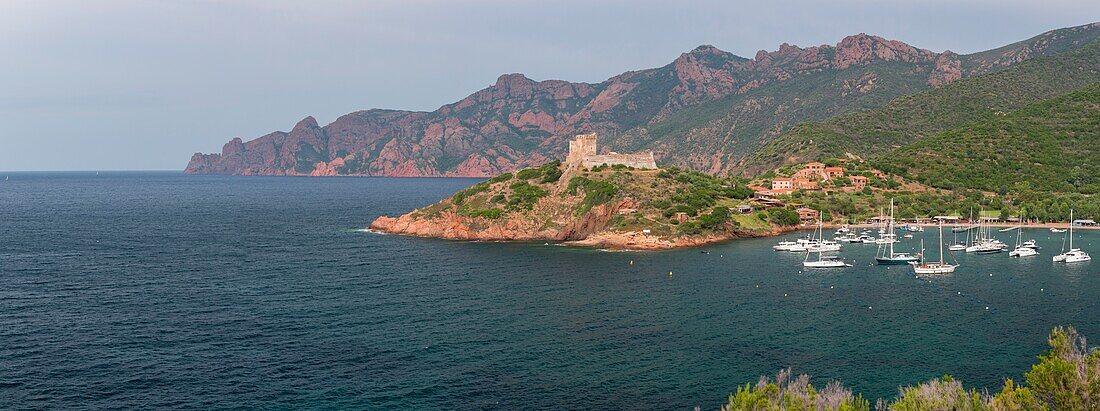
(583, 153)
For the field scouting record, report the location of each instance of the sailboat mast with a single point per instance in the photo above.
(891, 229)
(941, 244)
(1071, 229)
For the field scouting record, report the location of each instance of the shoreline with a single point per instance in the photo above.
(638, 241)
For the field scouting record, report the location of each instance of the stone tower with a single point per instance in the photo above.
(580, 147)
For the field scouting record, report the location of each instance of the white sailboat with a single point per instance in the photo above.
(1074, 255)
(955, 244)
(886, 254)
(933, 267)
(984, 243)
(1022, 250)
(823, 261)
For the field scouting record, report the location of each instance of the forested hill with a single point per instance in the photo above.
(1053, 145)
(909, 119)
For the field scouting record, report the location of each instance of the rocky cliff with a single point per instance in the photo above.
(706, 110)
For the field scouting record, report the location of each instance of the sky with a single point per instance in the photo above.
(143, 85)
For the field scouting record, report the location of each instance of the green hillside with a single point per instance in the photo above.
(1050, 145)
(910, 118)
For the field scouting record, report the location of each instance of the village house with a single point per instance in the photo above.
(808, 214)
(782, 183)
(834, 172)
(858, 182)
(803, 184)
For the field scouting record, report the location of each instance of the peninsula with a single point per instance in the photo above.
(611, 200)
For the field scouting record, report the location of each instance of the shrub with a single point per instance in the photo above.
(783, 216)
(525, 195)
(475, 189)
(528, 173)
(794, 394)
(717, 218)
(499, 178)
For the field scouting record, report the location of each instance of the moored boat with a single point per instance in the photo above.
(934, 267)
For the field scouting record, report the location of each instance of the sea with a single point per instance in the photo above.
(159, 290)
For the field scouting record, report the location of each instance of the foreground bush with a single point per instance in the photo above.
(1065, 378)
(797, 394)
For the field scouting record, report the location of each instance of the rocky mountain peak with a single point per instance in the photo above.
(862, 48)
(308, 123)
(512, 80)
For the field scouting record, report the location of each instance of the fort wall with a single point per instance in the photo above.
(582, 152)
(638, 160)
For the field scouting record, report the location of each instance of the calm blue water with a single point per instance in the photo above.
(159, 290)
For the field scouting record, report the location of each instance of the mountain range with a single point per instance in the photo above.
(709, 110)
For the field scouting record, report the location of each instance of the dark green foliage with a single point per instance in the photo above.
(546, 173)
(739, 192)
(681, 208)
(595, 192)
(461, 196)
(499, 178)
(1048, 144)
(524, 195)
(551, 172)
(716, 219)
(528, 173)
(783, 216)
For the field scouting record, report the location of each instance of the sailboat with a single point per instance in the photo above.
(1074, 255)
(823, 261)
(887, 234)
(1022, 250)
(984, 243)
(955, 244)
(886, 254)
(934, 267)
(820, 243)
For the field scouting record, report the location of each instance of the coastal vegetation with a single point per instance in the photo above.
(1048, 145)
(1067, 377)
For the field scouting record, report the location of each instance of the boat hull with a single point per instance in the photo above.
(895, 261)
(934, 269)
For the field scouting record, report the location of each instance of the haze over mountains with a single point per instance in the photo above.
(709, 110)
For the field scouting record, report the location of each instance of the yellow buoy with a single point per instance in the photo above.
(670, 273)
